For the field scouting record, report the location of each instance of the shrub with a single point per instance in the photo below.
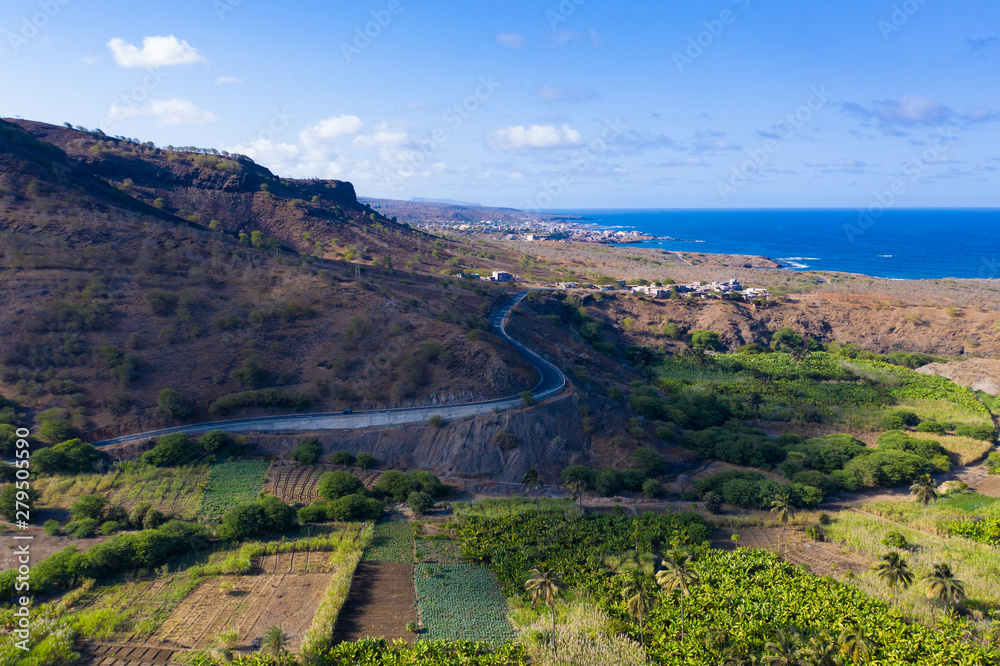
(885, 468)
(930, 426)
(672, 331)
(649, 462)
(895, 539)
(354, 507)
(631, 479)
(83, 529)
(706, 340)
(70, 457)
(816, 533)
(110, 527)
(436, 421)
(334, 485)
(424, 481)
(365, 461)
(993, 462)
(89, 506)
(161, 303)
(255, 519)
(214, 440)
(307, 452)
(651, 489)
(420, 502)
(264, 398)
(577, 472)
(172, 405)
(52, 527)
(342, 458)
(824, 519)
(173, 449)
(899, 419)
(983, 433)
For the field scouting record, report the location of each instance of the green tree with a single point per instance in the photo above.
(395, 485)
(786, 339)
(702, 340)
(924, 491)
(172, 405)
(365, 461)
(894, 571)
(546, 586)
(307, 452)
(677, 574)
(10, 496)
(944, 587)
(214, 440)
(89, 506)
(755, 401)
(856, 646)
(649, 462)
(420, 502)
(275, 643)
(334, 485)
(781, 506)
(73, 456)
(342, 458)
(170, 450)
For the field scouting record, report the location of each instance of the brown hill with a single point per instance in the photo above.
(111, 299)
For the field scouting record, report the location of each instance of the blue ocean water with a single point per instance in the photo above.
(901, 244)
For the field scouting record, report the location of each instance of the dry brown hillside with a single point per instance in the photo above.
(110, 300)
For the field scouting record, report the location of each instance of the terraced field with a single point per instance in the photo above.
(299, 483)
(286, 592)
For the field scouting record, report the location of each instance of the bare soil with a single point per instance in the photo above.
(42, 545)
(282, 594)
(300, 483)
(822, 558)
(381, 602)
(112, 654)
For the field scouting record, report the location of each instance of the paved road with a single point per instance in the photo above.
(551, 382)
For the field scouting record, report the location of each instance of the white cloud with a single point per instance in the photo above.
(512, 40)
(384, 137)
(514, 137)
(234, 80)
(330, 129)
(155, 52)
(174, 111)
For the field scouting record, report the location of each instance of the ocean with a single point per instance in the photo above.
(900, 244)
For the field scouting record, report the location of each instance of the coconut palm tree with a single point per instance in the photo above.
(576, 488)
(781, 506)
(856, 646)
(784, 649)
(546, 586)
(755, 401)
(637, 604)
(924, 491)
(532, 480)
(800, 353)
(943, 586)
(677, 574)
(275, 643)
(895, 571)
(822, 650)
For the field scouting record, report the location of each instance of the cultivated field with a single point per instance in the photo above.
(822, 558)
(300, 483)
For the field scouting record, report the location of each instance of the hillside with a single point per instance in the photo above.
(113, 299)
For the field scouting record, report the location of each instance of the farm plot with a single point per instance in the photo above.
(392, 541)
(229, 484)
(107, 654)
(280, 594)
(300, 483)
(171, 490)
(438, 549)
(380, 603)
(822, 558)
(461, 602)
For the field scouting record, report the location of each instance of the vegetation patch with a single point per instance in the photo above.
(461, 602)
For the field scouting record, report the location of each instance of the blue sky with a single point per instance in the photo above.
(542, 104)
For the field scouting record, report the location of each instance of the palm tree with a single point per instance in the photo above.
(784, 648)
(755, 401)
(576, 488)
(637, 605)
(733, 657)
(800, 353)
(923, 490)
(677, 574)
(822, 650)
(546, 586)
(855, 645)
(781, 506)
(894, 570)
(532, 480)
(943, 586)
(275, 643)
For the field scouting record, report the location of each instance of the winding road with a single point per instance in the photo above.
(551, 382)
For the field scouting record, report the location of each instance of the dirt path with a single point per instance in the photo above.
(380, 603)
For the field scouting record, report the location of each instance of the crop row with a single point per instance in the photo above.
(229, 484)
(392, 541)
(461, 602)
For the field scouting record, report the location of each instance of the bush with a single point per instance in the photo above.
(52, 527)
(993, 462)
(173, 449)
(110, 527)
(342, 458)
(607, 483)
(172, 406)
(672, 331)
(420, 502)
(89, 506)
(263, 398)
(214, 440)
(314, 513)
(983, 433)
(426, 482)
(83, 529)
(895, 539)
(354, 507)
(830, 453)
(816, 533)
(649, 462)
(365, 461)
(577, 472)
(436, 421)
(631, 479)
(899, 419)
(70, 457)
(334, 485)
(395, 485)
(706, 340)
(930, 426)
(885, 468)
(161, 303)
(255, 519)
(824, 519)
(651, 489)
(736, 444)
(307, 452)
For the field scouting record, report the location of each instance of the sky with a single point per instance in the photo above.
(547, 104)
